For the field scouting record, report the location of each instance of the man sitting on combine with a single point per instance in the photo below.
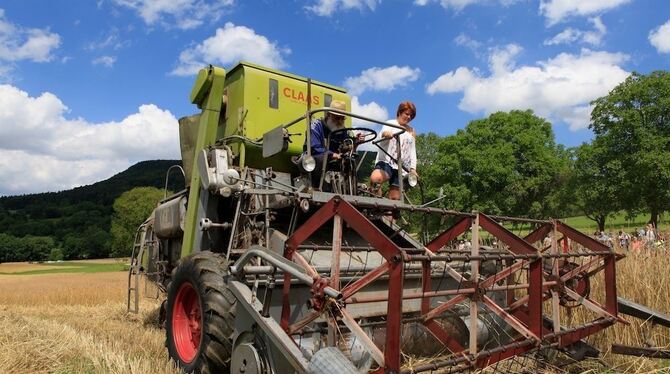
(320, 129)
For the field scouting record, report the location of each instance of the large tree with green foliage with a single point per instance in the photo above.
(597, 182)
(130, 210)
(632, 124)
(27, 248)
(508, 163)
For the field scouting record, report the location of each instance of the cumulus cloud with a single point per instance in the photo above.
(458, 5)
(557, 10)
(42, 150)
(20, 43)
(453, 81)
(660, 38)
(184, 14)
(228, 45)
(381, 79)
(502, 59)
(370, 110)
(559, 88)
(106, 61)
(326, 8)
(570, 35)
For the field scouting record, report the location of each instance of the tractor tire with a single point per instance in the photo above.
(200, 314)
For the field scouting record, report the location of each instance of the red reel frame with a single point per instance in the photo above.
(523, 314)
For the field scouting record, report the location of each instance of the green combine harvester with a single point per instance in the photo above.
(270, 267)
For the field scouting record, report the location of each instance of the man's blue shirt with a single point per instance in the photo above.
(318, 134)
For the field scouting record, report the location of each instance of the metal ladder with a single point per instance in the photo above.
(135, 271)
(154, 277)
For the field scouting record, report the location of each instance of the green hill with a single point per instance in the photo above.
(80, 217)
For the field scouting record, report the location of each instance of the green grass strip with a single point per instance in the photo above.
(75, 267)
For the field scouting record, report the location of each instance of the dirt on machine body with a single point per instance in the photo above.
(270, 267)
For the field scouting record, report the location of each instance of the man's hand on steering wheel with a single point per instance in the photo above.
(362, 134)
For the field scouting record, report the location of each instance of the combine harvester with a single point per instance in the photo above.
(265, 273)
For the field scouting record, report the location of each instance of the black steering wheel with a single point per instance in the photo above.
(368, 134)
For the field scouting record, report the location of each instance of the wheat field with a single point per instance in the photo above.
(77, 323)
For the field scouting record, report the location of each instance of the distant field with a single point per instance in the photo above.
(87, 266)
(616, 223)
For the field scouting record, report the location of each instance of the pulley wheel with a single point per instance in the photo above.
(246, 360)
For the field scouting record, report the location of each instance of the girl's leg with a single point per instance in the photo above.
(377, 177)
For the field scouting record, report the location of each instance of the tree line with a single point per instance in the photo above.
(510, 164)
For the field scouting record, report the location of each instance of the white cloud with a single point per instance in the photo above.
(106, 61)
(570, 35)
(112, 40)
(577, 117)
(184, 14)
(502, 59)
(557, 10)
(370, 110)
(228, 45)
(42, 150)
(381, 79)
(20, 43)
(660, 38)
(468, 42)
(566, 36)
(453, 81)
(326, 8)
(459, 5)
(559, 88)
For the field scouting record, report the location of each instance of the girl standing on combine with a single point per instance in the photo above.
(386, 168)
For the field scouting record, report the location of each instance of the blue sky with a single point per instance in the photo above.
(88, 88)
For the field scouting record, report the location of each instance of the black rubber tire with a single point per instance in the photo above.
(205, 271)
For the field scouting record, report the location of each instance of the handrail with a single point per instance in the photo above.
(167, 176)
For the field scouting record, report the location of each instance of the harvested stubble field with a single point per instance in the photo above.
(77, 323)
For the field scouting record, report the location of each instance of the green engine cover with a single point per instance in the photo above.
(257, 99)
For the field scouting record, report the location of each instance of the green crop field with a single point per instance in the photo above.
(63, 267)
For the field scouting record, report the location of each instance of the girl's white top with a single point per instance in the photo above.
(407, 148)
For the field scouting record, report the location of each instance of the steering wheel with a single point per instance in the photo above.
(368, 134)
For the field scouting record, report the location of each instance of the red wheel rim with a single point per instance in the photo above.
(186, 322)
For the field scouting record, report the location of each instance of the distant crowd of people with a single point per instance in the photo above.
(644, 237)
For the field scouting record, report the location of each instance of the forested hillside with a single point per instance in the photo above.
(75, 224)
(76, 221)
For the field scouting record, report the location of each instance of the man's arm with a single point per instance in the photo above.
(317, 139)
